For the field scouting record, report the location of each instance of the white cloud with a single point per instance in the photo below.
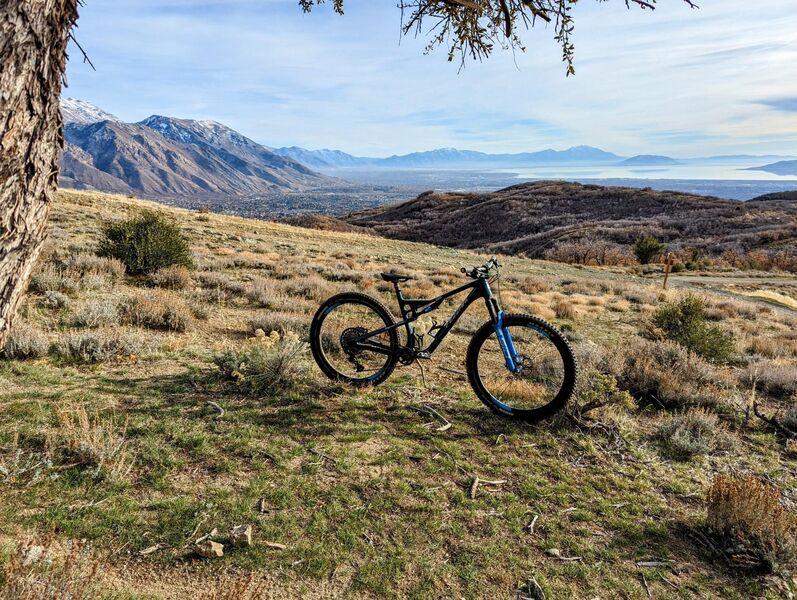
(673, 81)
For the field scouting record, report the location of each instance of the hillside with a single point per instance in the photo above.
(163, 158)
(120, 429)
(527, 219)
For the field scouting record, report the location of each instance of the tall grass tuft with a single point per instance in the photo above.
(267, 364)
(750, 523)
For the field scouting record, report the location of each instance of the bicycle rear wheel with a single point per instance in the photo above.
(338, 323)
(547, 372)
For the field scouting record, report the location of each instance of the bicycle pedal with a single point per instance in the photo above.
(425, 355)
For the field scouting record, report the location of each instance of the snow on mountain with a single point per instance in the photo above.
(80, 111)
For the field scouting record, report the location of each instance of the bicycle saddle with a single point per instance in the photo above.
(393, 277)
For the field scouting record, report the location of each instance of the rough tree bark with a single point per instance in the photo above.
(33, 40)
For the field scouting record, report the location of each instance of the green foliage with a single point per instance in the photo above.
(145, 244)
(597, 390)
(646, 248)
(684, 322)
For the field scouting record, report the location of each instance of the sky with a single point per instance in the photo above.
(674, 81)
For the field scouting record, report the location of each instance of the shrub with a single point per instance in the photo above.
(778, 379)
(145, 243)
(694, 432)
(261, 293)
(595, 390)
(55, 300)
(174, 277)
(646, 248)
(666, 375)
(90, 264)
(790, 418)
(50, 279)
(750, 523)
(267, 364)
(220, 287)
(310, 287)
(564, 310)
(25, 342)
(281, 322)
(156, 311)
(96, 314)
(589, 251)
(684, 322)
(97, 346)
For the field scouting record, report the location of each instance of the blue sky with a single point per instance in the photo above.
(676, 81)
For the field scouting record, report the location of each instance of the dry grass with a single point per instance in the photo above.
(157, 311)
(175, 277)
(48, 572)
(90, 442)
(563, 309)
(751, 523)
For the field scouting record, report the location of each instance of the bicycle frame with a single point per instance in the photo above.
(414, 308)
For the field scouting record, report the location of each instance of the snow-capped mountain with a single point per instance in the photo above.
(163, 157)
(80, 111)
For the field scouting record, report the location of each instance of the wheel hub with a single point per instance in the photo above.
(349, 337)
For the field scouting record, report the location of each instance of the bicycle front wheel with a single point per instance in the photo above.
(334, 333)
(544, 380)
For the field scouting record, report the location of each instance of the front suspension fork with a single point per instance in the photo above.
(507, 345)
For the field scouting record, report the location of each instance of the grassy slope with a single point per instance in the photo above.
(384, 510)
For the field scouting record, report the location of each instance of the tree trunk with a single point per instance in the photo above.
(33, 40)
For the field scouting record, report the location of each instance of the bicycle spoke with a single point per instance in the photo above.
(343, 325)
(541, 375)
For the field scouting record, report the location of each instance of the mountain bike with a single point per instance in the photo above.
(518, 365)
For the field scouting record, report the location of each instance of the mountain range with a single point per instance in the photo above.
(442, 158)
(163, 157)
(449, 157)
(166, 158)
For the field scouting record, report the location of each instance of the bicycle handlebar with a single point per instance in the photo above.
(482, 271)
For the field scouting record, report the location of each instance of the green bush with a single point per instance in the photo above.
(684, 322)
(145, 244)
(646, 248)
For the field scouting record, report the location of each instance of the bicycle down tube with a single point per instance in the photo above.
(412, 309)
